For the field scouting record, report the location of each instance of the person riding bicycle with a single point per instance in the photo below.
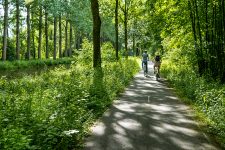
(145, 59)
(157, 63)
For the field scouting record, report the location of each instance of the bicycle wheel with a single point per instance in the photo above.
(157, 74)
(145, 69)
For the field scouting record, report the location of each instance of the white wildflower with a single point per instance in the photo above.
(70, 132)
(53, 116)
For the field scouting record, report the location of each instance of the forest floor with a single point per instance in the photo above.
(148, 116)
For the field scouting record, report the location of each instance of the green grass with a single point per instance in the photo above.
(55, 109)
(22, 64)
(207, 98)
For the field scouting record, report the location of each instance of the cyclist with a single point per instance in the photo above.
(157, 63)
(145, 59)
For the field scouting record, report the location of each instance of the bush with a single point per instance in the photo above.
(24, 64)
(55, 109)
(208, 97)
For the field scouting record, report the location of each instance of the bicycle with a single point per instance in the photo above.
(145, 68)
(157, 73)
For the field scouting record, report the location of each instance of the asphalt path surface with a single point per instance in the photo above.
(148, 116)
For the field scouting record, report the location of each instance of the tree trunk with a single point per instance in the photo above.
(96, 34)
(134, 43)
(201, 62)
(33, 35)
(116, 29)
(71, 39)
(17, 30)
(60, 36)
(46, 34)
(28, 32)
(125, 29)
(223, 20)
(55, 42)
(5, 32)
(40, 32)
(66, 39)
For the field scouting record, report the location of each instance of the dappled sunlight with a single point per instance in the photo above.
(147, 117)
(130, 124)
(99, 129)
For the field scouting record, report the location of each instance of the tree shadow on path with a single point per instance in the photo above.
(147, 116)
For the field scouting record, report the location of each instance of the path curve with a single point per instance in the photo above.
(148, 116)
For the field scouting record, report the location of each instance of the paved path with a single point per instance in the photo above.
(148, 116)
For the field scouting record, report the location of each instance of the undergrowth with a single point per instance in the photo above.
(207, 97)
(21, 64)
(55, 109)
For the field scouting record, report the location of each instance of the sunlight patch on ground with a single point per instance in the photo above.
(183, 144)
(119, 115)
(186, 131)
(127, 107)
(119, 129)
(159, 129)
(162, 108)
(130, 124)
(99, 129)
(172, 97)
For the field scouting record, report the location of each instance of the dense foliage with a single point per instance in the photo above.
(188, 35)
(53, 110)
(16, 65)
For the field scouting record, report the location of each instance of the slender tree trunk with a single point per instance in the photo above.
(116, 29)
(28, 32)
(200, 55)
(55, 33)
(71, 39)
(40, 32)
(207, 39)
(34, 47)
(17, 30)
(46, 34)
(223, 20)
(134, 43)
(66, 39)
(125, 28)
(33, 35)
(60, 36)
(5, 32)
(75, 38)
(96, 34)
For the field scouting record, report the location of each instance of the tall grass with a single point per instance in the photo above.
(20, 64)
(55, 109)
(207, 96)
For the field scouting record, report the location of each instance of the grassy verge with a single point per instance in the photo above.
(55, 109)
(206, 97)
(21, 64)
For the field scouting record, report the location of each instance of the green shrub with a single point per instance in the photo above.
(55, 109)
(208, 97)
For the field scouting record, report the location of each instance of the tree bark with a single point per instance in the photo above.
(60, 36)
(200, 52)
(40, 32)
(28, 32)
(33, 35)
(55, 32)
(96, 34)
(116, 29)
(223, 20)
(46, 34)
(17, 30)
(125, 28)
(71, 39)
(5, 32)
(66, 39)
